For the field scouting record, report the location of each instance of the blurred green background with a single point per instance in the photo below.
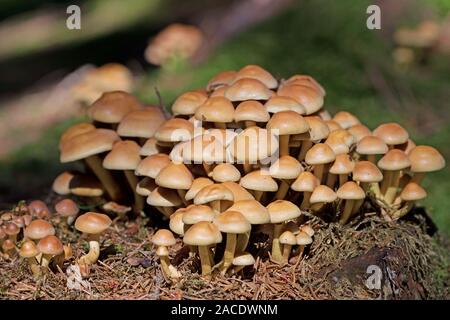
(324, 38)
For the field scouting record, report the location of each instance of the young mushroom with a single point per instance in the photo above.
(241, 261)
(39, 209)
(29, 251)
(49, 247)
(287, 169)
(287, 239)
(409, 195)
(260, 182)
(350, 192)
(68, 209)
(216, 195)
(163, 239)
(306, 182)
(425, 159)
(319, 156)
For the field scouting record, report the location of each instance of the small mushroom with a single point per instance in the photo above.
(49, 247)
(350, 192)
(29, 251)
(319, 156)
(425, 159)
(39, 209)
(241, 261)
(163, 239)
(68, 209)
(287, 239)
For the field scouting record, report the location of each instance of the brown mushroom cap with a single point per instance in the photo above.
(141, 123)
(305, 182)
(279, 103)
(213, 192)
(303, 239)
(92, 223)
(39, 229)
(38, 208)
(202, 234)
(252, 210)
(244, 259)
(288, 238)
(188, 102)
(149, 148)
(350, 191)
(320, 153)
(216, 109)
(152, 165)
(286, 167)
(426, 159)
(75, 130)
(221, 79)
(287, 122)
(124, 155)
(308, 97)
(343, 164)
(232, 222)
(366, 171)
(332, 125)
(50, 245)
(318, 130)
(112, 106)
(259, 180)
(175, 176)
(392, 133)
(394, 159)
(225, 172)
(196, 213)
(258, 73)
(11, 229)
(67, 208)
(87, 144)
(251, 110)
(197, 185)
(163, 237)
(239, 193)
(303, 79)
(413, 192)
(247, 89)
(359, 131)
(323, 193)
(371, 145)
(283, 210)
(28, 249)
(176, 221)
(346, 119)
(175, 130)
(61, 183)
(162, 197)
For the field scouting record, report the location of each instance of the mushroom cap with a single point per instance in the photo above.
(163, 197)
(350, 191)
(7, 245)
(175, 176)
(176, 222)
(256, 72)
(219, 91)
(28, 249)
(19, 221)
(174, 130)
(124, 155)
(225, 172)
(306, 228)
(318, 130)
(323, 193)
(283, 210)
(204, 148)
(320, 153)
(426, 159)
(145, 186)
(11, 229)
(141, 123)
(408, 146)
(92, 223)
(252, 210)
(366, 171)
(50, 245)
(413, 192)
(149, 148)
(253, 144)
(232, 222)
(287, 122)
(85, 186)
(259, 180)
(61, 183)
(394, 159)
(305, 182)
(38, 229)
(359, 131)
(251, 110)
(288, 238)
(112, 106)
(332, 125)
(216, 109)
(346, 119)
(38, 208)
(341, 135)
(286, 167)
(221, 79)
(304, 79)
(67, 208)
(197, 185)
(163, 237)
(303, 239)
(188, 102)
(239, 193)
(75, 130)
(196, 213)
(279, 103)
(391, 133)
(202, 234)
(87, 144)
(371, 145)
(343, 164)
(247, 89)
(244, 259)
(213, 192)
(152, 165)
(308, 97)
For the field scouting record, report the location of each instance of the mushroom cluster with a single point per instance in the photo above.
(248, 154)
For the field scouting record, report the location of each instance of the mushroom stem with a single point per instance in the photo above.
(35, 269)
(418, 177)
(282, 190)
(204, 259)
(391, 191)
(237, 269)
(112, 188)
(258, 195)
(167, 268)
(343, 178)
(247, 166)
(347, 212)
(276, 248)
(220, 125)
(357, 205)
(45, 260)
(403, 211)
(284, 145)
(242, 242)
(230, 249)
(306, 145)
(386, 181)
(167, 211)
(138, 199)
(249, 123)
(94, 251)
(182, 194)
(318, 171)
(207, 167)
(305, 203)
(372, 158)
(331, 180)
(286, 252)
(215, 205)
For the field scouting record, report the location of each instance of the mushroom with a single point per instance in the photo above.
(150, 148)
(409, 195)
(176, 176)
(38, 229)
(241, 261)
(9, 248)
(163, 239)
(280, 212)
(196, 213)
(251, 112)
(340, 141)
(370, 147)
(286, 168)
(359, 132)
(318, 156)
(350, 192)
(220, 80)
(145, 187)
(343, 165)
(39, 209)
(141, 124)
(124, 156)
(259, 182)
(287, 239)
(306, 182)
(368, 175)
(425, 159)
(197, 185)
(93, 225)
(391, 133)
(278, 103)
(215, 195)
(68, 209)
(218, 110)
(346, 119)
(203, 234)
(174, 130)
(284, 124)
(252, 71)
(305, 80)
(318, 130)
(232, 223)
(332, 125)
(187, 103)
(152, 165)
(61, 183)
(83, 185)
(176, 224)
(49, 246)
(321, 195)
(165, 200)
(303, 239)
(247, 89)
(238, 192)
(11, 230)
(225, 172)
(73, 131)
(29, 251)
(87, 147)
